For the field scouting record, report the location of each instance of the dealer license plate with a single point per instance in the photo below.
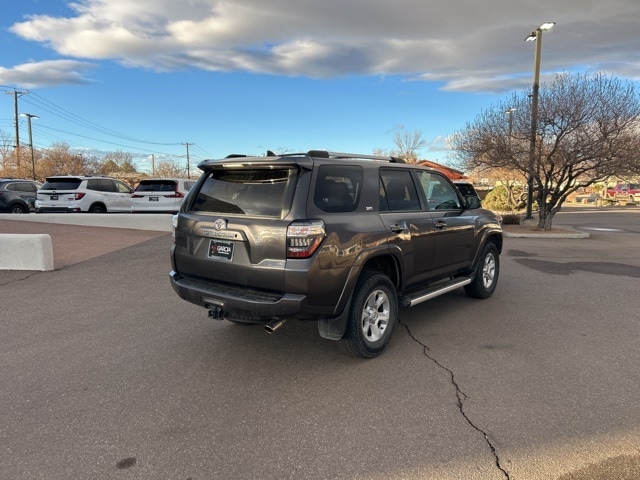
(221, 250)
(153, 199)
(54, 197)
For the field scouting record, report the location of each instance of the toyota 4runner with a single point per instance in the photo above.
(339, 238)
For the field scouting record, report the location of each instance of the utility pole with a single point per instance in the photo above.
(153, 164)
(16, 94)
(188, 167)
(33, 161)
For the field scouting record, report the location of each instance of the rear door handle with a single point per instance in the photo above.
(397, 228)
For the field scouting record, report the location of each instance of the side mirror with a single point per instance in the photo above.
(473, 202)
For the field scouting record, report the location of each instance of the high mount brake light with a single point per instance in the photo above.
(304, 237)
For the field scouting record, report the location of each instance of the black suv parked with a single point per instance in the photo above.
(17, 196)
(339, 238)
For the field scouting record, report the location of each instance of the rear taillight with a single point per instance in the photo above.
(304, 238)
(79, 195)
(135, 195)
(176, 195)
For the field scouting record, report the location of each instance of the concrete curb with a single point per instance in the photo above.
(573, 233)
(159, 222)
(28, 251)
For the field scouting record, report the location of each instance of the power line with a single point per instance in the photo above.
(61, 112)
(104, 141)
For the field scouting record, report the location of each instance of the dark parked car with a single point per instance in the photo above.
(17, 196)
(338, 238)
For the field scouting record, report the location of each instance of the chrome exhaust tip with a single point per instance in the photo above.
(274, 325)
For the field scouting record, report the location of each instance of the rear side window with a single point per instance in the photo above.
(25, 187)
(156, 186)
(61, 184)
(245, 191)
(338, 188)
(101, 185)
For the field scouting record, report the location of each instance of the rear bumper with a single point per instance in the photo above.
(58, 210)
(239, 302)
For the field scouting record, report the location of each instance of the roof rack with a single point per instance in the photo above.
(339, 155)
(327, 154)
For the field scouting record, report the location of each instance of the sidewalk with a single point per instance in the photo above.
(75, 243)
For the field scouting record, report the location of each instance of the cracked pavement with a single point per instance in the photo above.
(107, 374)
(461, 397)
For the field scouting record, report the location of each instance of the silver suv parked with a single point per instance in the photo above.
(94, 194)
(338, 238)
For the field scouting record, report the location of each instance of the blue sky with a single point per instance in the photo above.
(244, 76)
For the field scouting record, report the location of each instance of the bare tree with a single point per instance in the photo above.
(169, 170)
(6, 152)
(117, 163)
(408, 144)
(59, 160)
(587, 130)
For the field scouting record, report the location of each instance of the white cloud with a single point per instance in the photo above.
(50, 72)
(466, 44)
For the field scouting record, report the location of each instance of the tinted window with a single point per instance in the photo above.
(466, 189)
(245, 191)
(107, 185)
(61, 184)
(338, 188)
(25, 187)
(397, 191)
(156, 186)
(93, 184)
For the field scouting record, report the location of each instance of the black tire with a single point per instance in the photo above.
(18, 208)
(97, 208)
(486, 276)
(372, 316)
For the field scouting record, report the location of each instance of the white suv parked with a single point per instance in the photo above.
(160, 194)
(76, 193)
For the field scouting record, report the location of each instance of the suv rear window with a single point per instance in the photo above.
(61, 184)
(157, 186)
(466, 189)
(245, 191)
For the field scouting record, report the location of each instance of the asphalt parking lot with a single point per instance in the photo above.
(106, 373)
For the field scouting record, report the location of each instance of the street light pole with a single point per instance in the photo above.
(33, 161)
(535, 36)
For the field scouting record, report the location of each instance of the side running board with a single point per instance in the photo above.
(415, 298)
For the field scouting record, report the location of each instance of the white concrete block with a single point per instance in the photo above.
(26, 251)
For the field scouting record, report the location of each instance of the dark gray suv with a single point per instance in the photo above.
(339, 238)
(17, 196)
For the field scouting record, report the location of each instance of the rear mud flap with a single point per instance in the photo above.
(334, 328)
